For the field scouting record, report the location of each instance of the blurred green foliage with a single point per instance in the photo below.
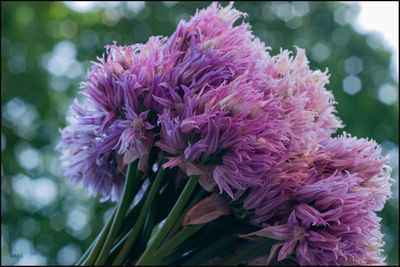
(46, 49)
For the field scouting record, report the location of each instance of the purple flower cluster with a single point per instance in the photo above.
(110, 128)
(330, 223)
(253, 126)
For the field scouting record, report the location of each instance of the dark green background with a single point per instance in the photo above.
(46, 49)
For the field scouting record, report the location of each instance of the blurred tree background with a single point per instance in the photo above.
(46, 50)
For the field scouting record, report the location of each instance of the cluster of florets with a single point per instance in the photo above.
(253, 126)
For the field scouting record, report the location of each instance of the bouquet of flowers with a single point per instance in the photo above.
(216, 152)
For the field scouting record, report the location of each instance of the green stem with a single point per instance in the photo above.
(87, 252)
(174, 215)
(130, 217)
(169, 246)
(140, 221)
(143, 237)
(197, 197)
(131, 182)
(175, 238)
(98, 242)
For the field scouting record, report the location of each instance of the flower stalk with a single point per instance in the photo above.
(132, 182)
(141, 219)
(98, 243)
(147, 257)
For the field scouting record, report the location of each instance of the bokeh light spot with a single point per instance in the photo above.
(58, 83)
(60, 59)
(300, 8)
(352, 85)
(77, 219)
(80, 6)
(320, 51)
(353, 65)
(68, 28)
(69, 254)
(134, 8)
(111, 17)
(388, 94)
(45, 191)
(283, 10)
(340, 36)
(89, 39)
(169, 3)
(29, 158)
(30, 227)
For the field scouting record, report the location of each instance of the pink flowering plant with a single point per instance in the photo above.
(216, 152)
